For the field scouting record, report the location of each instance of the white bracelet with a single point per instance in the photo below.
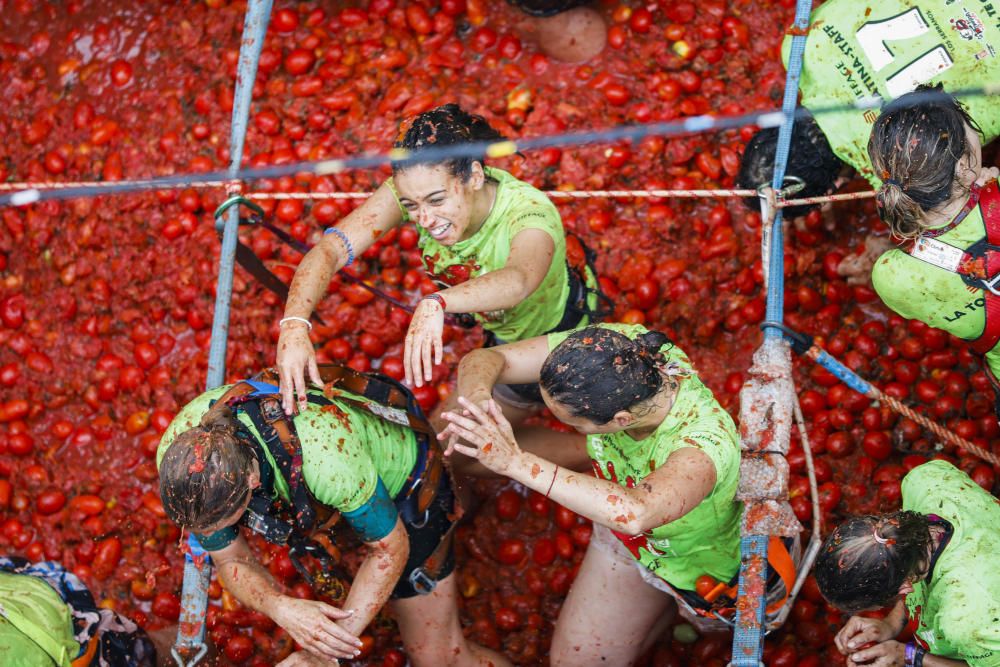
(282, 321)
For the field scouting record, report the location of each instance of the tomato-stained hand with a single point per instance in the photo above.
(423, 347)
(489, 434)
(295, 355)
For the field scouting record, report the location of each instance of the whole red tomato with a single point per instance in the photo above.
(511, 551)
(508, 506)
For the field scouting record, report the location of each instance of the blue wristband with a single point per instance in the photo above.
(346, 241)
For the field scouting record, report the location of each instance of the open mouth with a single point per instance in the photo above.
(440, 231)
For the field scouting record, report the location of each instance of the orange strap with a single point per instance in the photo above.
(781, 562)
(88, 655)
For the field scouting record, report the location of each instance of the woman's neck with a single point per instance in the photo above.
(654, 410)
(944, 213)
(482, 207)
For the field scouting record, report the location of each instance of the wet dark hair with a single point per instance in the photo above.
(810, 159)
(863, 563)
(596, 372)
(446, 125)
(915, 146)
(205, 472)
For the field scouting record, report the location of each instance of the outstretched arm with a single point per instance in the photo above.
(665, 495)
(362, 227)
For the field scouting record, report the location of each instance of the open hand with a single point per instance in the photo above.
(295, 355)
(489, 434)
(423, 347)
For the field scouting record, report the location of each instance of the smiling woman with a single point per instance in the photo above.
(494, 245)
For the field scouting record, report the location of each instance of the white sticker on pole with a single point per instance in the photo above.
(939, 254)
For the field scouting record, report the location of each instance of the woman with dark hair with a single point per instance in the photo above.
(939, 197)
(857, 50)
(232, 459)
(666, 460)
(494, 244)
(935, 560)
(846, 60)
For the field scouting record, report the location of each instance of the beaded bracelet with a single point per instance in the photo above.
(435, 296)
(346, 241)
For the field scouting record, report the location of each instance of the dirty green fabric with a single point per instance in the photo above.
(29, 607)
(344, 450)
(959, 607)
(939, 298)
(857, 50)
(706, 540)
(518, 206)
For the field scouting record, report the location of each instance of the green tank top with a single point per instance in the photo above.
(918, 290)
(858, 50)
(36, 628)
(958, 608)
(706, 540)
(518, 206)
(345, 451)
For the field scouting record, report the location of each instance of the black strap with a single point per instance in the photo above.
(289, 462)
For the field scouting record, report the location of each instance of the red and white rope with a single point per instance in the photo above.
(721, 193)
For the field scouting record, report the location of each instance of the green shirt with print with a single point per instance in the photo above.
(858, 50)
(706, 540)
(959, 606)
(937, 297)
(518, 206)
(345, 451)
(36, 627)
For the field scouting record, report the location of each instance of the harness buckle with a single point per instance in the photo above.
(421, 582)
(423, 522)
(990, 284)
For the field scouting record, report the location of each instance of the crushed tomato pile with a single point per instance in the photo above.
(106, 304)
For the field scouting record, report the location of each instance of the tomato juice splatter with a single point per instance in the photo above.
(106, 303)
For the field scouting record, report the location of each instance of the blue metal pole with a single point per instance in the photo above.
(748, 633)
(776, 273)
(197, 565)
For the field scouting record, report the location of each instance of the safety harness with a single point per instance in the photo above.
(720, 602)
(306, 525)
(978, 265)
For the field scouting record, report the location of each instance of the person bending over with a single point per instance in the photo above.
(232, 459)
(666, 461)
(858, 50)
(935, 560)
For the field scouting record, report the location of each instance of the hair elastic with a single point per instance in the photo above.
(878, 538)
(893, 181)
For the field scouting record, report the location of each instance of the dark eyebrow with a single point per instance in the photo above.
(427, 196)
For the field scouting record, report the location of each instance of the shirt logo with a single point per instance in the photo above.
(968, 26)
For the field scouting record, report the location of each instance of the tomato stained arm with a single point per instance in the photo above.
(931, 660)
(243, 576)
(529, 260)
(665, 495)
(362, 226)
(514, 363)
(376, 578)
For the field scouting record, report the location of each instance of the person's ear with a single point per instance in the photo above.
(253, 481)
(623, 419)
(477, 176)
(906, 587)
